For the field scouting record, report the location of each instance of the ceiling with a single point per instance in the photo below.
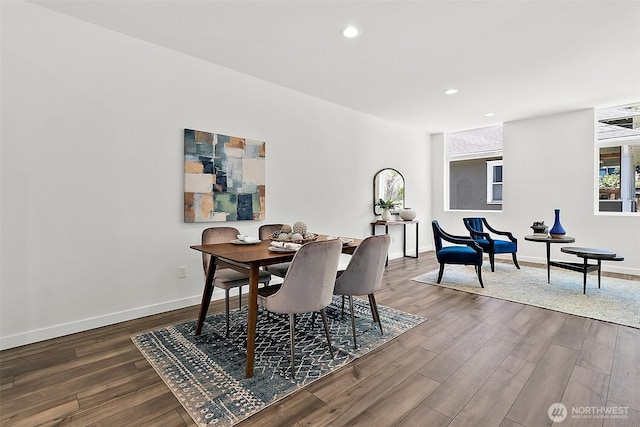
(516, 59)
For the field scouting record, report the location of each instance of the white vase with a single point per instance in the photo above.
(386, 215)
(407, 214)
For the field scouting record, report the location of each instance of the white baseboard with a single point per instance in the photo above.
(60, 330)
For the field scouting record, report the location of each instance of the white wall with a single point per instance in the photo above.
(549, 164)
(91, 178)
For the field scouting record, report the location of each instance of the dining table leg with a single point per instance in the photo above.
(206, 295)
(252, 318)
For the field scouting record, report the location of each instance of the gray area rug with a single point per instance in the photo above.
(617, 301)
(206, 372)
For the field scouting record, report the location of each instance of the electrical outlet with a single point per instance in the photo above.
(182, 271)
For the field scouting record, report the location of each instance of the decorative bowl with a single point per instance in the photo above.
(300, 241)
(540, 230)
(407, 214)
(539, 227)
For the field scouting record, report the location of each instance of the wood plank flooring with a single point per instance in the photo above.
(475, 361)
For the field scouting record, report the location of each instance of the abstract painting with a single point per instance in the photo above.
(224, 177)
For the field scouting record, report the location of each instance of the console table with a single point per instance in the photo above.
(387, 224)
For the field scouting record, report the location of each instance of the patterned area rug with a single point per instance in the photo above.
(206, 372)
(617, 301)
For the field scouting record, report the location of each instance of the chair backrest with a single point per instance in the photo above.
(474, 224)
(267, 230)
(363, 275)
(437, 235)
(308, 285)
(216, 235)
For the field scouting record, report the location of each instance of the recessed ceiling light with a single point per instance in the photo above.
(489, 114)
(451, 91)
(351, 32)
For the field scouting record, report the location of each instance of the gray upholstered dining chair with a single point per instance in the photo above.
(307, 287)
(363, 276)
(264, 231)
(226, 278)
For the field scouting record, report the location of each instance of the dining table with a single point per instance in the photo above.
(248, 259)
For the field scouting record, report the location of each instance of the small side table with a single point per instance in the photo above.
(548, 240)
(587, 254)
(404, 224)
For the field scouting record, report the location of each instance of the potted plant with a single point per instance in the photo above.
(386, 206)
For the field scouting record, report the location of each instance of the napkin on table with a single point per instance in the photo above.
(286, 245)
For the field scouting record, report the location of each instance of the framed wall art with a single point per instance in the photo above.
(224, 177)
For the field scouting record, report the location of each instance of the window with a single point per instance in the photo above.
(475, 169)
(494, 182)
(618, 146)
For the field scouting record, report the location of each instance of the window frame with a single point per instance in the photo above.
(627, 169)
(609, 143)
(491, 197)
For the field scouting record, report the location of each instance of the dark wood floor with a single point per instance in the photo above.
(476, 361)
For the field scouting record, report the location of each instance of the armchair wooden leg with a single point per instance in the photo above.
(239, 297)
(515, 260)
(479, 271)
(492, 260)
(440, 273)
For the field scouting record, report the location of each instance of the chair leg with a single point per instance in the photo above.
(326, 331)
(226, 306)
(374, 312)
(440, 273)
(343, 306)
(353, 322)
(515, 260)
(479, 271)
(492, 260)
(313, 320)
(240, 298)
(292, 332)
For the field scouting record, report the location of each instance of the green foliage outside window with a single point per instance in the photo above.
(610, 181)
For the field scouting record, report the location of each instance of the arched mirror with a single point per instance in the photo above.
(388, 184)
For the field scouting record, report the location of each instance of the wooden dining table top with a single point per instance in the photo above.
(259, 252)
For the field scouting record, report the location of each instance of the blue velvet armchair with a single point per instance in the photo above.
(465, 251)
(491, 246)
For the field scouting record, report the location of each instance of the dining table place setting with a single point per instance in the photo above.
(245, 240)
(288, 246)
(277, 246)
(344, 240)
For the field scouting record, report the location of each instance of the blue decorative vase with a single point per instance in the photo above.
(557, 230)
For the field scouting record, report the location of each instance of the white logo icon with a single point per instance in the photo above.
(557, 412)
